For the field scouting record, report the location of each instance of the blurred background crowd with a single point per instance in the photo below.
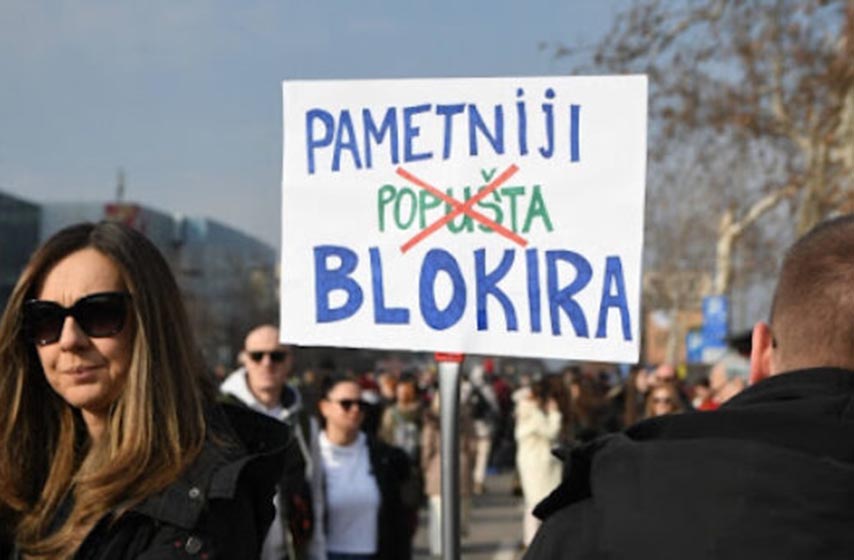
(514, 413)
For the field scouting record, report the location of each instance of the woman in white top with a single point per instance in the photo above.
(356, 488)
(541, 423)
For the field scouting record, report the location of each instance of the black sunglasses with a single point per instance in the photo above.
(99, 315)
(347, 404)
(276, 356)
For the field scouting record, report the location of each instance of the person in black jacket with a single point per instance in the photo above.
(111, 443)
(768, 475)
(261, 384)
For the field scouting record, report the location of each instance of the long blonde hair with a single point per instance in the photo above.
(155, 429)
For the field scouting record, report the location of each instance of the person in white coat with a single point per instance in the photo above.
(541, 423)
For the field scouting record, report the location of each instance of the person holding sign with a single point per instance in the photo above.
(770, 474)
(111, 443)
(357, 483)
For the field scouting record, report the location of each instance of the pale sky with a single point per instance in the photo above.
(185, 95)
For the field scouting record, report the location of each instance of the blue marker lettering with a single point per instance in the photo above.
(410, 132)
(311, 143)
(562, 298)
(614, 275)
(435, 261)
(487, 284)
(388, 126)
(384, 315)
(448, 111)
(345, 140)
(326, 280)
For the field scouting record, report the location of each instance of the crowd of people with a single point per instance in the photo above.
(510, 420)
(115, 441)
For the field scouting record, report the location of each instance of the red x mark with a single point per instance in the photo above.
(466, 208)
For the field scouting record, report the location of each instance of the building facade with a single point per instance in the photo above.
(228, 279)
(19, 236)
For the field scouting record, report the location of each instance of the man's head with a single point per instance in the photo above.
(267, 362)
(812, 314)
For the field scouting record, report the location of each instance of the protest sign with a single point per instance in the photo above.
(488, 215)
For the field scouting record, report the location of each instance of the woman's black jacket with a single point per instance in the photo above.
(220, 508)
(391, 468)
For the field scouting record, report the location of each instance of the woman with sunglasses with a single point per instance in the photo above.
(357, 483)
(111, 445)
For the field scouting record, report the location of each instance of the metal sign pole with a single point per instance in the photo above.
(449, 403)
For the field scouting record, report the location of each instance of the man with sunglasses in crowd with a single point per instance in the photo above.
(261, 383)
(770, 474)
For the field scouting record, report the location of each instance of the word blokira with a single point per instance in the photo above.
(334, 267)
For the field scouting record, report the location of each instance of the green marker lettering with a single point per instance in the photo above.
(513, 193)
(384, 196)
(404, 224)
(426, 201)
(466, 224)
(537, 208)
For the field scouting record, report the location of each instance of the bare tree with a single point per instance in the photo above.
(767, 81)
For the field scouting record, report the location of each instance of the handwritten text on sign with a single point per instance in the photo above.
(490, 216)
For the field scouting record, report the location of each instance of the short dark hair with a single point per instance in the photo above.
(812, 314)
(408, 377)
(330, 380)
(327, 383)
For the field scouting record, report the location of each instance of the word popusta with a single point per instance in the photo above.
(334, 268)
(394, 135)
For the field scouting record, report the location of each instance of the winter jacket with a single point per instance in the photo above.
(294, 412)
(220, 507)
(537, 432)
(768, 475)
(431, 462)
(294, 497)
(391, 468)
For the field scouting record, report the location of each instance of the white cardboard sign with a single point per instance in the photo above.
(497, 216)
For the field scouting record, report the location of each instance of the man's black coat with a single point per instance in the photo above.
(768, 475)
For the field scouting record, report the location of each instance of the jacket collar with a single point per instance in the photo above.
(812, 384)
(237, 385)
(809, 411)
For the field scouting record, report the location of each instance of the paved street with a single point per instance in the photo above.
(495, 530)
